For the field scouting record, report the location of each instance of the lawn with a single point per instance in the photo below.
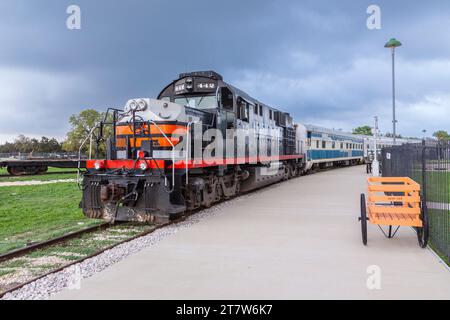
(438, 185)
(36, 213)
(44, 177)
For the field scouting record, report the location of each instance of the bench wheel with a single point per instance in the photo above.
(363, 219)
(422, 233)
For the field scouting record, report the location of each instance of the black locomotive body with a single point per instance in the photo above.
(200, 141)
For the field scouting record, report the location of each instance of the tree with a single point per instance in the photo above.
(26, 145)
(47, 145)
(364, 130)
(442, 135)
(82, 125)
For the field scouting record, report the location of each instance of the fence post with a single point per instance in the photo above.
(424, 176)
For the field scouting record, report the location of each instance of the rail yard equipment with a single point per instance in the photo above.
(394, 201)
(30, 166)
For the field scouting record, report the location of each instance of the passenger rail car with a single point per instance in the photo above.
(328, 147)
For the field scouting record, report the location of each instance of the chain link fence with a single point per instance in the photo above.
(429, 165)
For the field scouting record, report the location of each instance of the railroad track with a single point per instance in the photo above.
(57, 241)
(36, 246)
(74, 235)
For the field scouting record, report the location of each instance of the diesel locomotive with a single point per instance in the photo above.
(200, 141)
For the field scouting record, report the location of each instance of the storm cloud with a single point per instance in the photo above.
(315, 59)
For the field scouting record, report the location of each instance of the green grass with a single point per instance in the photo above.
(31, 214)
(17, 263)
(5, 272)
(438, 185)
(44, 177)
(439, 234)
(438, 190)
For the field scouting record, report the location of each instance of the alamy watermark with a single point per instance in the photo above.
(73, 21)
(241, 145)
(374, 20)
(74, 279)
(373, 281)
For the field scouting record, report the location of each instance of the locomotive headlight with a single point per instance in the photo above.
(133, 105)
(98, 165)
(189, 84)
(143, 166)
(142, 105)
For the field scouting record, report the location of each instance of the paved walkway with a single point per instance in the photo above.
(295, 240)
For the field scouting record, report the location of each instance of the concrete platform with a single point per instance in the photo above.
(296, 240)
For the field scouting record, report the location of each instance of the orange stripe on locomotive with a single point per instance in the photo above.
(156, 133)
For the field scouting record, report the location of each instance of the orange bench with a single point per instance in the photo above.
(394, 201)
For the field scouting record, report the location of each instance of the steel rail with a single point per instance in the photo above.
(156, 227)
(22, 251)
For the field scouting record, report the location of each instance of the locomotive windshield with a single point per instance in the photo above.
(198, 102)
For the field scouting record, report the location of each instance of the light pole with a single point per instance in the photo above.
(375, 163)
(393, 43)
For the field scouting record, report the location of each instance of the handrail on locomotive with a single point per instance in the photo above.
(117, 112)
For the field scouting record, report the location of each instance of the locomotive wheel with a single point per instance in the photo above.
(209, 193)
(292, 172)
(31, 170)
(238, 188)
(423, 232)
(363, 219)
(287, 173)
(94, 214)
(42, 169)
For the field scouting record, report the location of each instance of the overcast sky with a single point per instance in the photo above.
(315, 59)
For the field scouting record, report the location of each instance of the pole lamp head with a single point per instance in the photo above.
(393, 43)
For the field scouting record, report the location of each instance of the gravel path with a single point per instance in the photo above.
(46, 287)
(33, 182)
